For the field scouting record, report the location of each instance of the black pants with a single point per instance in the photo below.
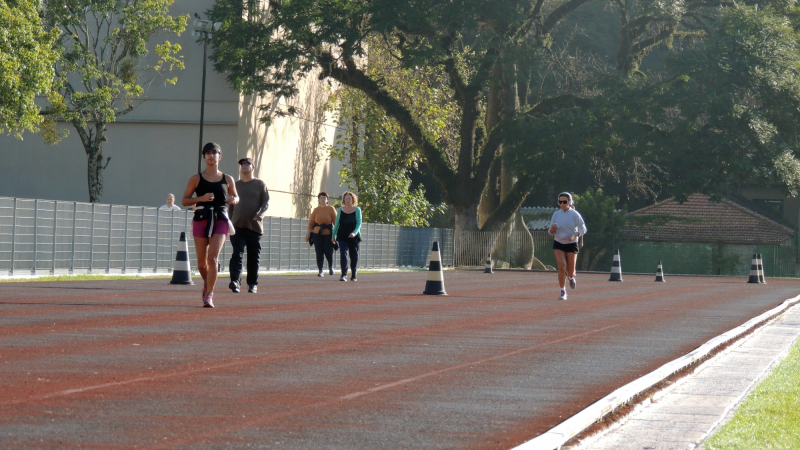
(324, 248)
(252, 241)
(349, 247)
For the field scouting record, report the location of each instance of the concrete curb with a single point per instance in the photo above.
(557, 436)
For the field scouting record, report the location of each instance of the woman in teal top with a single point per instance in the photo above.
(347, 232)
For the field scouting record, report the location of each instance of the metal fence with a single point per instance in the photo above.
(54, 237)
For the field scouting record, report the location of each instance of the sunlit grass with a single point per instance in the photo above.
(770, 417)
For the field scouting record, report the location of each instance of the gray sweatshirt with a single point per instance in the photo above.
(568, 223)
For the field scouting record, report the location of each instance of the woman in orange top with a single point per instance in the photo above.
(321, 225)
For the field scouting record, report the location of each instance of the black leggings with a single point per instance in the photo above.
(324, 248)
(349, 247)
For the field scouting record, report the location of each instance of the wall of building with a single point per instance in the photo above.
(154, 149)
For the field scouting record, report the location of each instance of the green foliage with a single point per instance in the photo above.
(540, 103)
(26, 65)
(377, 154)
(727, 114)
(599, 211)
(101, 75)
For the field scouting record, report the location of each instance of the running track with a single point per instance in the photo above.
(315, 363)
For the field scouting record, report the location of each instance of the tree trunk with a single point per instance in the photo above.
(94, 174)
(92, 140)
(518, 250)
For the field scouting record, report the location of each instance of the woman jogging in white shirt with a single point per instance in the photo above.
(566, 227)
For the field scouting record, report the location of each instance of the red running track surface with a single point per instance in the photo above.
(315, 363)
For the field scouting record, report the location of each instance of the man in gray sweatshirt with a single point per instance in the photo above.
(247, 218)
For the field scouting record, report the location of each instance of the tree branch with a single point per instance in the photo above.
(509, 205)
(357, 79)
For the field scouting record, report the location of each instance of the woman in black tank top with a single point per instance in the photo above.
(211, 191)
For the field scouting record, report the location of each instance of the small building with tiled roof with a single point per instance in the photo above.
(700, 219)
(702, 236)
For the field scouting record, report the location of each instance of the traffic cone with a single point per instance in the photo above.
(761, 270)
(660, 273)
(435, 283)
(616, 268)
(488, 264)
(754, 278)
(182, 272)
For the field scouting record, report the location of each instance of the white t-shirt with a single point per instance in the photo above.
(173, 207)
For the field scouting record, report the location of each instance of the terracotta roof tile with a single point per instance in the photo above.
(700, 219)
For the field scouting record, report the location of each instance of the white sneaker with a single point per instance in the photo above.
(572, 283)
(563, 296)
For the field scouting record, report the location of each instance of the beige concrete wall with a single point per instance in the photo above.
(290, 155)
(154, 149)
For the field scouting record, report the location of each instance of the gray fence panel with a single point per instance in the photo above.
(46, 236)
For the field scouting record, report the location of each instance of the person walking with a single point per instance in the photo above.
(320, 229)
(566, 227)
(213, 192)
(247, 217)
(347, 233)
(170, 204)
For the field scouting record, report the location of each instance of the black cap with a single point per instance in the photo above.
(250, 160)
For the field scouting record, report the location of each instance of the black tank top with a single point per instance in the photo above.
(218, 188)
(347, 224)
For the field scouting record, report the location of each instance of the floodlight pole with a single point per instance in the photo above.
(203, 28)
(202, 100)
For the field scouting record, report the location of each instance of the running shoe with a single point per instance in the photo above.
(253, 289)
(330, 271)
(572, 283)
(320, 274)
(208, 302)
(343, 278)
(353, 278)
(234, 287)
(563, 295)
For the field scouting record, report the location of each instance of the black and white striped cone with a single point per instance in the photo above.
(488, 265)
(435, 283)
(754, 278)
(660, 273)
(616, 268)
(761, 270)
(182, 272)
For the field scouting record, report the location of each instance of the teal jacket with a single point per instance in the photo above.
(358, 221)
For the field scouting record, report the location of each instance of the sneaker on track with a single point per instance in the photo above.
(234, 286)
(330, 271)
(563, 296)
(572, 283)
(343, 278)
(253, 289)
(208, 302)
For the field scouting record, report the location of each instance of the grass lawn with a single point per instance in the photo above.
(770, 417)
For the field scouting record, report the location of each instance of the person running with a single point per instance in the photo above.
(247, 217)
(171, 206)
(347, 233)
(320, 228)
(214, 192)
(566, 227)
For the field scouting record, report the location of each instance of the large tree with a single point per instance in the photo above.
(532, 108)
(102, 73)
(26, 65)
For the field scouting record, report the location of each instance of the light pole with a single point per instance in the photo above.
(204, 29)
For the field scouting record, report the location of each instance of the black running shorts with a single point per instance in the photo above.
(566, 248)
